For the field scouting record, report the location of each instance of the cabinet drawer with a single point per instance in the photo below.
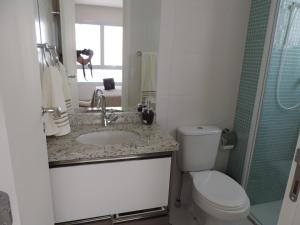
(87, 191)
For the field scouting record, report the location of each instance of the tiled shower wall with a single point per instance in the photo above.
(278, 128)
(257, 27)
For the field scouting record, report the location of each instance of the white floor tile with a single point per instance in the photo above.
(180, 216)
(267, 213)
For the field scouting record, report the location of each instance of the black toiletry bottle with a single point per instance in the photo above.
(140, 107)
(147, 116)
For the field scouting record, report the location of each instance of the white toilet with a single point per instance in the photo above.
(217, 198)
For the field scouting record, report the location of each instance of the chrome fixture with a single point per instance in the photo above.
(110, 118)
(294, 192)
(98, 100)
(99, 104)
(54, 56)
(52, 50)
(140, 215)
(124, 217)
(55, 13)
(78, 162)
(57, 111)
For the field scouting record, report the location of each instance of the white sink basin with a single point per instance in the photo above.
(108, 137)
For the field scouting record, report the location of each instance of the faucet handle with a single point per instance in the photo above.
(113, 117)
(111, 114)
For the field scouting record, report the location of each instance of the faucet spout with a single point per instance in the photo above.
(99, 102)
(97, 98)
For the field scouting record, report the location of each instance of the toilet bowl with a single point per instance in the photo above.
(219, 197)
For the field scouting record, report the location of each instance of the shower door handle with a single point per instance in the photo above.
(296, 180)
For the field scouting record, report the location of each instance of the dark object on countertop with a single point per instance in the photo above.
(109, 84)
(147, 116)
(140, 107)
(5, 209)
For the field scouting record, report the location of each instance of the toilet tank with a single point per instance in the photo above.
(198, 147)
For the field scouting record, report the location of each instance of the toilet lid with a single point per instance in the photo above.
(219, 190)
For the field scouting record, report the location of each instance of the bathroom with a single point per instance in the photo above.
(230, 64)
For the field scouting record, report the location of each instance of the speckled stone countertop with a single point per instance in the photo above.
(63, 151)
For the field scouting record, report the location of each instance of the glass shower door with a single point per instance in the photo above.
(279, 122)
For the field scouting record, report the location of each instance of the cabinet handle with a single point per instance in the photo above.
(294, 192)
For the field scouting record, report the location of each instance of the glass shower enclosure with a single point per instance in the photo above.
(268, 137)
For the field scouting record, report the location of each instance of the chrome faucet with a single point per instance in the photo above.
(108, 119)
(99, 102)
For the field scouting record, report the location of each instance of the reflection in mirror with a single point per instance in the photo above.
(141, 48)
(100, 29)
(109, 45)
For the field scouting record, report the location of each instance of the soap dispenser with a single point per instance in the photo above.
(147, 114)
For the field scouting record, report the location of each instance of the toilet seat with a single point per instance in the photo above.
(219, 195)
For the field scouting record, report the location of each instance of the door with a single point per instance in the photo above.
(290, 211)
(25, 176)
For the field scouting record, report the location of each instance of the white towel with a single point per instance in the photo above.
(53, 96)
(149, 77)
(66, 87)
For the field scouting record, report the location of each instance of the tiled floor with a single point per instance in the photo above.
(267, 213)
(180, 216)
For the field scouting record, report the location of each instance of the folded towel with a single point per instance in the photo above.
(66, 87)
(149, 77)
(53, 96)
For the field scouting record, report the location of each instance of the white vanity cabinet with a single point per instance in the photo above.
(93, 190)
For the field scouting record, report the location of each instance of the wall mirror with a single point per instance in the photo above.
(124, 38)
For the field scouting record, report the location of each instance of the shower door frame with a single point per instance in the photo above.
(263, 74)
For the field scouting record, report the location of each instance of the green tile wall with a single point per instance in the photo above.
(257, 27)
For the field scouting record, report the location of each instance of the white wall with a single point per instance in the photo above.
(99, 15)
(21, 108)
(7, 183)
(141, 33)
(200, 61)
(201, 53)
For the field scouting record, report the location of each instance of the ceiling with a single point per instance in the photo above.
(109, 3)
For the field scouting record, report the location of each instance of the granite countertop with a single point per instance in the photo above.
(66, 150)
